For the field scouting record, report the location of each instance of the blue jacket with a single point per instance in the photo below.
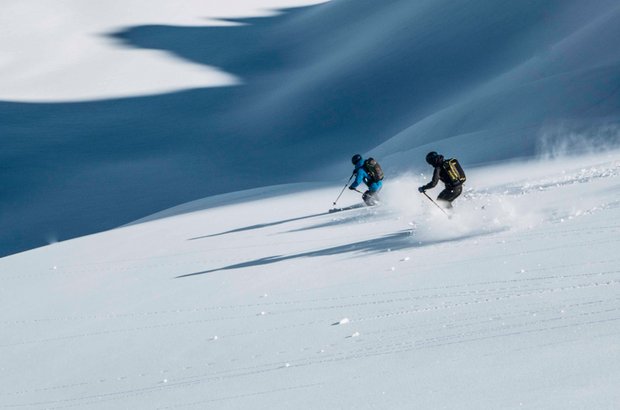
(362, 176)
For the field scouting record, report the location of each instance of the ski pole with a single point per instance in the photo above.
(345, 187)
(436, 204)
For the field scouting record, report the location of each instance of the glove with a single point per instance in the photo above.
(421, 189)
(352, 188)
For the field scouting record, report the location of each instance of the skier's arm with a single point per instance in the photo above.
(435, 179)
(359, 178)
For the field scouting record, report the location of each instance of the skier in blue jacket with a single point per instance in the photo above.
(370, 196)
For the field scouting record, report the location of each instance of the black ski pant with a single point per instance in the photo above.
(450, 194)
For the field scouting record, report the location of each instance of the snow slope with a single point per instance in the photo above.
(263, 300)
(489, 79)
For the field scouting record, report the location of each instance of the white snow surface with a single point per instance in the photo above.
(240, 301)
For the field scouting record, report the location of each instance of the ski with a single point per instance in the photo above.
(348, 208)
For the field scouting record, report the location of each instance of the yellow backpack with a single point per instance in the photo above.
(455, 171)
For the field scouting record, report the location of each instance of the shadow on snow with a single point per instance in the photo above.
(340, 220)
(259, 226)
(394, 242)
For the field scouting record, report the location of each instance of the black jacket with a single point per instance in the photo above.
(439, 174)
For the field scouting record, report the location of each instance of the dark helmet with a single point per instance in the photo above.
(433, 158)
(356, 158)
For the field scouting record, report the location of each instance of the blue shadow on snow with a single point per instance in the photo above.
(395, 242)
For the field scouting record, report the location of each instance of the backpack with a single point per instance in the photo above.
(454, 171)
(373, 169)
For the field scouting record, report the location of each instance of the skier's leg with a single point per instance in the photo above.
(448, 195)
(369, 198)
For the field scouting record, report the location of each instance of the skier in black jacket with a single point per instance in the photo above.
(453, 188)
